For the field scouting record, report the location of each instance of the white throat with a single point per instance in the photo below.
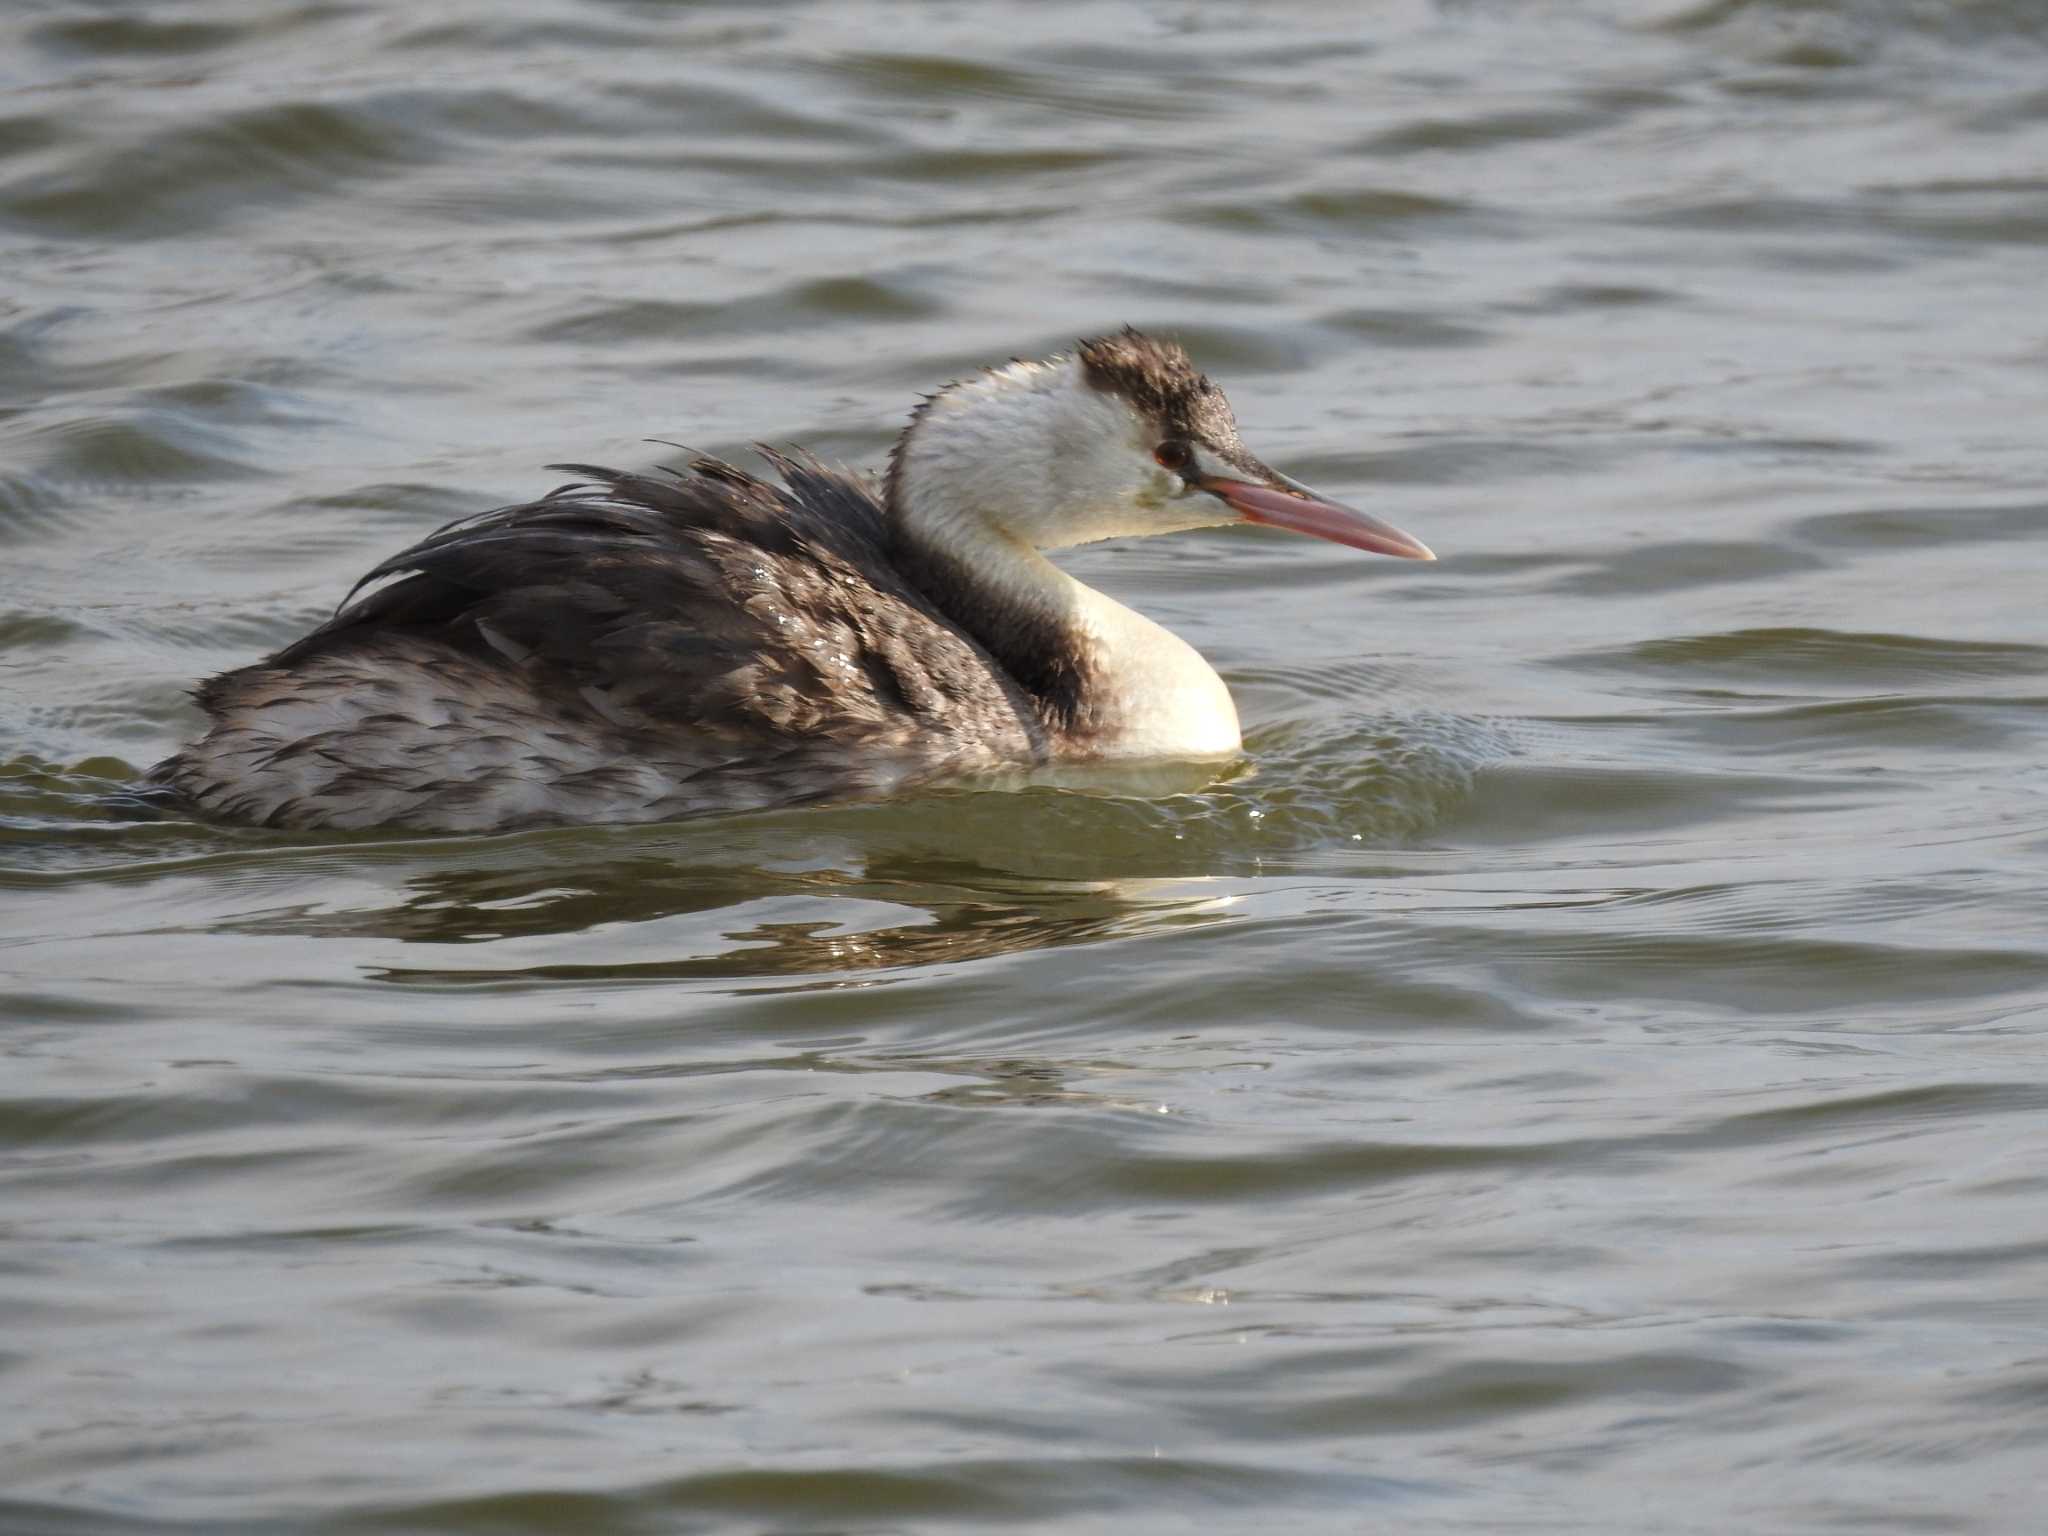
(1033, 457)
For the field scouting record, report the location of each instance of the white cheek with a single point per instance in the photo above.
(1100, 493)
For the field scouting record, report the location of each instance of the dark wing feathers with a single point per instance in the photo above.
(709, 601)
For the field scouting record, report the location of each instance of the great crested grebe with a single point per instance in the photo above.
(639, 647)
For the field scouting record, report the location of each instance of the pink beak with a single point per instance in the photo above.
(1305, 512)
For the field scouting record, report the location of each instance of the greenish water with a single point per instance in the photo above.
(1585, 1074)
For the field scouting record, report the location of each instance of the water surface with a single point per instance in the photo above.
(1584, 1073)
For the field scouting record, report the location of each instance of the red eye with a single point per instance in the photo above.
(1174, 454)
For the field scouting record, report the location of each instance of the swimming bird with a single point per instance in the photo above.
(636, 647)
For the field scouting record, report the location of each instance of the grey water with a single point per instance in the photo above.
(1586, 1071)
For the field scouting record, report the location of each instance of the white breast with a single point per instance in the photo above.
(1158, 697)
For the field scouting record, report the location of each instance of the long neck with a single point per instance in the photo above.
(1104, 680)
(1023, 610)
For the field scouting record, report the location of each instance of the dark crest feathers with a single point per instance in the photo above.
(1160, 379)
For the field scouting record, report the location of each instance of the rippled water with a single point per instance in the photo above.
(1585, 1073)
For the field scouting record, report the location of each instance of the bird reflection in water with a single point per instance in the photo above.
(625, 918)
